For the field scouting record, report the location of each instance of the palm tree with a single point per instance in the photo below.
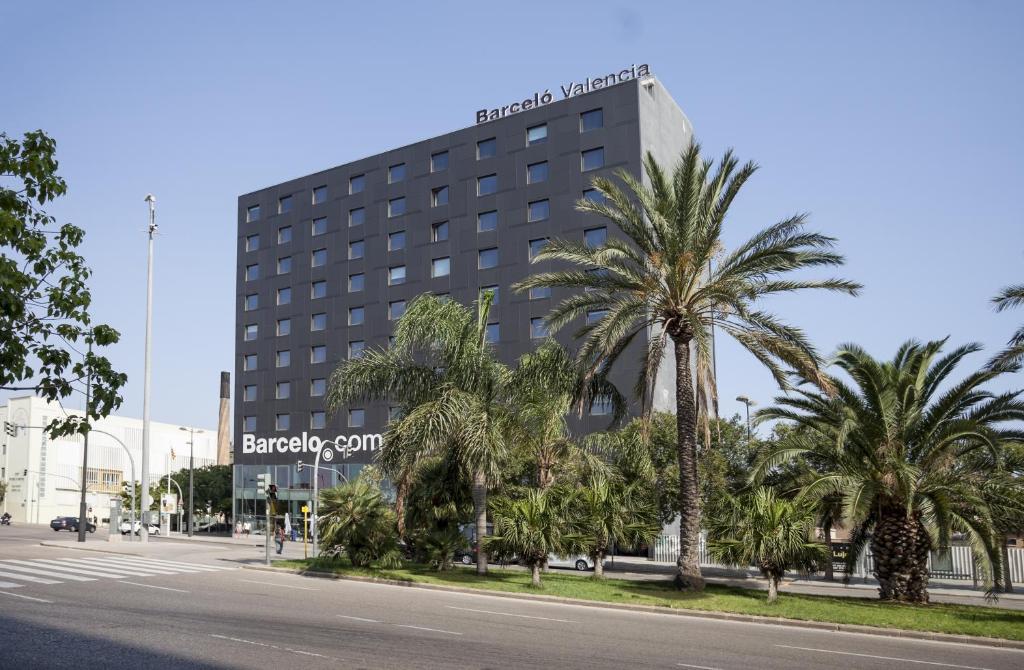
(607, 511)
(911, 463)
(769, 532)
(530, 527)
(661, 283)
(443, 373)
(355, 518)
(1011, 296)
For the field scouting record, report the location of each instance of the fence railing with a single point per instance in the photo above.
(955, 563)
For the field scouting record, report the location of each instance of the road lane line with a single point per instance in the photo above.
(111, 564)
(432, 630)
(28, 578)
(39, 565)
(301, 652)
(75, 569)
(698, 667)
(89, 564)
(283, 586)
(46, 573)
(884, 658)
(357, 618)
(177, 564)
(9, 585)
(520, 616)
(154, 586)
(15, 595)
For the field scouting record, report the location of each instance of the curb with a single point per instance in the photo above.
(722, 616)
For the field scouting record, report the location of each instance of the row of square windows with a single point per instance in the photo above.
(488, 148)
(439, 267)
(537, 210)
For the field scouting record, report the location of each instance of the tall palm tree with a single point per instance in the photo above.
(530, 527)
(769, 532)
(670, 280)
(443, 373)
(912, 463)
(1010, 297)
(606, 511)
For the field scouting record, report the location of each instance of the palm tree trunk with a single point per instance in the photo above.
(1007, 580)
(688, 576)
(480, 512)
(599, 565)
(773, 589)
(535, 570)
(401, 493)
(827, 530)
(900, 545)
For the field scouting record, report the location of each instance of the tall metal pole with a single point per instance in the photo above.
(144, 537)
(191, 481)
(83, 521)
(747, 402)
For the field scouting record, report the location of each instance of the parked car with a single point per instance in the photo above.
(580, 563)
(70, 523)
(127, 527)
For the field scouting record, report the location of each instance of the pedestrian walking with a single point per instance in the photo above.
(279, 538)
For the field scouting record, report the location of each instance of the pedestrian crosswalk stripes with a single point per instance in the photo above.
(15, 573)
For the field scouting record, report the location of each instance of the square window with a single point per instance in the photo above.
(284, 205)
(487, 185)
(356, 183)
(356, 217)
(592, 120)
(487, 258)
(356, 418)
(486, 148)
(492, 333)
(251, 332)
(283, 390)
(439, 231)
(601, 405)
(356, 282)
(252, 213)
(537, 172)
(396, 275)
(592, 159)
(284, 327)
(249, 362)
(396, 309)
(284, 235)
(539, 210)
(540, 292)
(439, 196)
(593, 195)
(439, 161)
(252, 242)
(249, 424)
(596, 315)
(319, 195)
(284, 265)
(356, 250)
(356, 348)
(356, 316)
(318, 354)
(492, 290)
(486, 221)
(284, 295)
(440, 267)
(594, 272)
(396, 240)
(396, 207)
(249, 393)
(317, 420)
(318, 289)
(282, 421)
(536, 246)
(538, 327)
(318, 322)
(283, 358)
(319, 258)
(396, 173)
(252, 272)
(394, 413)
(595, 237)
(537, 134)
(317, 387)
(319, 226)
(252, 301)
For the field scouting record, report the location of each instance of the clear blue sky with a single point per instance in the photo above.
(895, 124)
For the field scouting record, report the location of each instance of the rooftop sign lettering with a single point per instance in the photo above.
(569, 90)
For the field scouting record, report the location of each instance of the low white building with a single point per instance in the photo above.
(44, 475)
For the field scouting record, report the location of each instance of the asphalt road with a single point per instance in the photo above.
(184, 606)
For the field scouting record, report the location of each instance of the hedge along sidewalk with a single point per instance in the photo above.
(950, 623)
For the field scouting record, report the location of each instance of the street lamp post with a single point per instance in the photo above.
(748, 402)
(191, 475)
(83, 522)
(151, 200)
(316, 483)
(181, 496)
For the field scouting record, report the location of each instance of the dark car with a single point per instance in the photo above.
(70, 523)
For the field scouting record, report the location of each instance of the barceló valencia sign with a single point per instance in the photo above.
(573, 88)
(306, 444)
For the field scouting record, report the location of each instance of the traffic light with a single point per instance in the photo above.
(11, 428)
(298, 466)
(261, 483)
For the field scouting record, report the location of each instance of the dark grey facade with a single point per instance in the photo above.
(315, 221)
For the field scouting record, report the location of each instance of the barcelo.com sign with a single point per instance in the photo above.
(304, 444)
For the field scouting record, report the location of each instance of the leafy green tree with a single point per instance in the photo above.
(3, 490)
(356, 519)
(154, 495)
(911, 462)
(46, 332)
(530, 527)
(764, 530)
(453, 392)
(1008, 298)
(661, 282)
(212, 483)
(439, 503)
(606, 511)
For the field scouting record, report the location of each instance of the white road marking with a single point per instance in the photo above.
(111, 564)
(154, 586)
(29, 578)
(9, 585)
(357, 618)
(15, 595)
(432, 630)
(520, 616)
(87, 564)
(40, 571)
(883, 658)
(56, 570)
(698, 667)
(283, 586)
(171, 565)
(302, 652)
